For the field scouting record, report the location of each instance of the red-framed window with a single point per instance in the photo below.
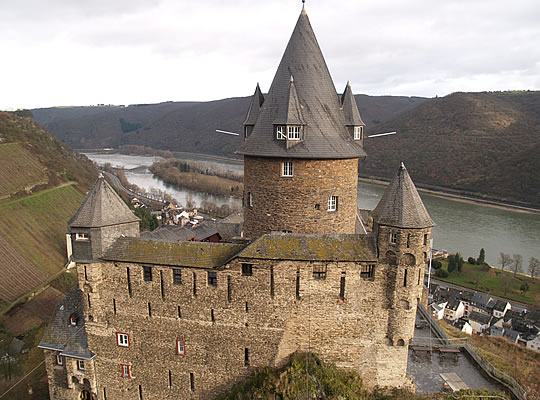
(122, 339)
(72, 320)
(181, 347)
(126, 371)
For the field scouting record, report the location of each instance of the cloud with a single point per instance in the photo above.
(72, 52)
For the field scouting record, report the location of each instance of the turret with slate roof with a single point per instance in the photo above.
(100, 220)
(254, 110)
(300, 155)
(353, 121)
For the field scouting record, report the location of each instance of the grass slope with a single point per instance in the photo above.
(18, 170)
(34, 229)
(496, 282)
(306, 377)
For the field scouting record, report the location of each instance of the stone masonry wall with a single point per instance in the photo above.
(299, 203)
(219, 323)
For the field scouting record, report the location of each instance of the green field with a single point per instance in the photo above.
(19, 169)
(496, 282)
(33, 234)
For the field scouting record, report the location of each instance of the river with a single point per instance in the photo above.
(461, 226)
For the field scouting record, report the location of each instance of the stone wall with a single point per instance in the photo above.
(299, 203)
(263, 313)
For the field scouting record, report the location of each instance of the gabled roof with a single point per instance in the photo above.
(480, 299)
(350, 109)
(289, 112)
(188, 254)
(70, 340)
(254, 109)
(480, 318)
(312, 247)
(500, 305)
(102, 207)
(401, 205)
(453, 304)
(325, 134)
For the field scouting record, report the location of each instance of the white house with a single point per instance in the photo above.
(479, 322)
(534, 344)
(454, 310)
(464, 326)
(437, 310)
(501, 307)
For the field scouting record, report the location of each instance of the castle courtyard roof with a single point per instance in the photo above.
(401, 205)
(102, 207)
(63, 336)
(302, 92)
(311, 247)
(188, 254)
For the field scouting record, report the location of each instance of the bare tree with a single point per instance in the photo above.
(517, 263)
(505, 260)
(534, 266)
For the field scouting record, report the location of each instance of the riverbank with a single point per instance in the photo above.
(461, 197)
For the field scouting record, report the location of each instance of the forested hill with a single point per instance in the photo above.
(477, 143)
(181, 126)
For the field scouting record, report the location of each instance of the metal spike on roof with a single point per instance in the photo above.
(401, 205)
(325, 134)
(102, 207)
(254, 109)
(350, 109)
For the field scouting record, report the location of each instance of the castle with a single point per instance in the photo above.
(156, 319)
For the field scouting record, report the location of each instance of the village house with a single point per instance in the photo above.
(479, 322)
(454, 309)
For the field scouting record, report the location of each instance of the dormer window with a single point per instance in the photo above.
(82, 236)
(358, 133)
(280, 132)
(293, 132)
(73, 320)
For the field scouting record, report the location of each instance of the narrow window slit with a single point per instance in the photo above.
(149, 309)
(129, 282)
(162, 284)
(114, 306)
(272, 281)
(405, 278)
(229, 289)
(297, 284)
(342, 287)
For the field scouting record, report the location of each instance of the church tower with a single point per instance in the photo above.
(301, 149)
(402, 229)
(102, 218)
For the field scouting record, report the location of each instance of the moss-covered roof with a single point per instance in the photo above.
(188, 254)
(287, 246)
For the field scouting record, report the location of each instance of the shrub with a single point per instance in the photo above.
(436, 264)
(441, 273)
(471, 260)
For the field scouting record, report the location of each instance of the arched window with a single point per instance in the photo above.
(401, 342)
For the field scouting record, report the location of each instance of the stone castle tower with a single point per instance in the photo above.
(301, 149)
(170, 319)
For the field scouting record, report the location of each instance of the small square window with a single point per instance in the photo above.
(367, 271)
(319, 271)
(126, 373)
(177, 276)
(332, 203)
(82, 236)
(80, 365)
(180, 347)
(393, 238)
(280, 132)
(212, 278)
(293, 132)
(147, 274)
(287, 169)
(59, 360)
(122, 339)
(247, 269)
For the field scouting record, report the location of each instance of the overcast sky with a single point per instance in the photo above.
(77, 52)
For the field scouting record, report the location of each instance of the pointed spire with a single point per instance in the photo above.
(350, 109)
(290, 112)
(102, 207)
(326, 135)
(254, 109)
(401, 205)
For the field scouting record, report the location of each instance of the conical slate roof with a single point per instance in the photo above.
(350, 109)
(401, 205)
(325, 134)
(102, 207)
(255, 107)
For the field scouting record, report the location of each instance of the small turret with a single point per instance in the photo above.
(402, 227)
(353, 121)
(254, 110)
(101, 219)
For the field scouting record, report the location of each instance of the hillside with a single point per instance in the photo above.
(42, 183)
(485, 144)
(185, 126)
